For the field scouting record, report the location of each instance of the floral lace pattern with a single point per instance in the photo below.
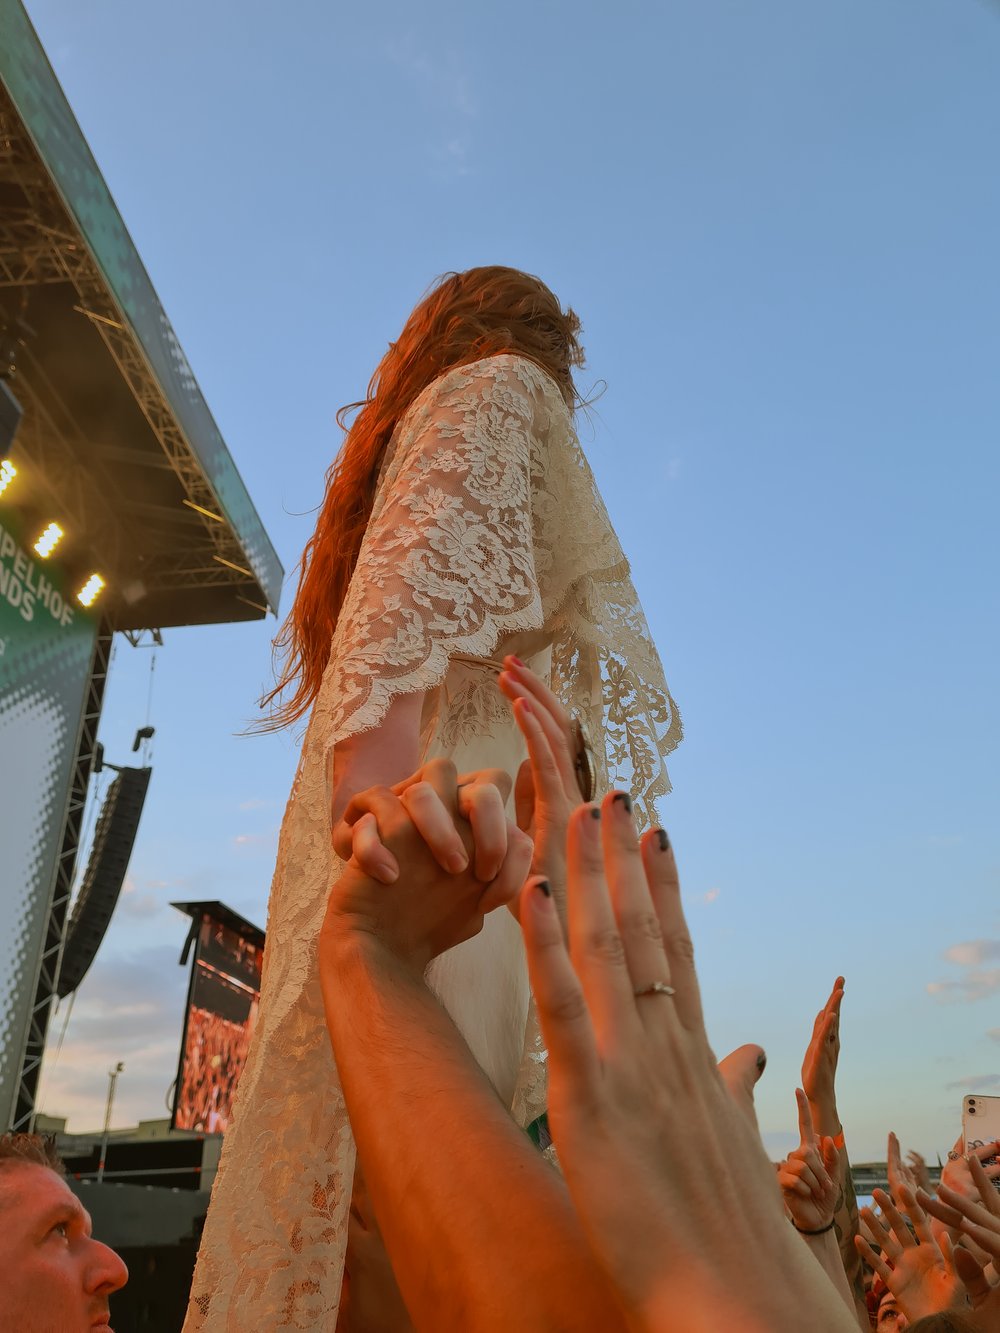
(488, 535)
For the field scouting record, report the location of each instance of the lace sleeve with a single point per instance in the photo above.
(447, 563)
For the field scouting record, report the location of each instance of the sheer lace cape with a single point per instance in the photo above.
(489, 525)
(488, 535)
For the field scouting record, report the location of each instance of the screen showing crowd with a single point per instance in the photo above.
(222, 1009)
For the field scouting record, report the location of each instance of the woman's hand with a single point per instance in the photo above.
(667, 1173)
(427, 910)
(808, 1176)
(977, 1224)
(482, 798)
(918, 1270)
(546, 791)
(916, 1164)
(976, 1218)
(819, 1065)
(957, 1175)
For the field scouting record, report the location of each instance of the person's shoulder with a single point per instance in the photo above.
(511, 368)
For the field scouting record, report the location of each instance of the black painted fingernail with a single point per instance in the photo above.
(595, 812)
(625, 799)
(663, 840)
(762, 1061)
(544, 887)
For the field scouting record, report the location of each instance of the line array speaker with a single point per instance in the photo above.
(114, 837)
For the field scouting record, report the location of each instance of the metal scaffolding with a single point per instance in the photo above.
(55, 925)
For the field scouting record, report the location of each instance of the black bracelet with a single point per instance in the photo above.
(821, 1232)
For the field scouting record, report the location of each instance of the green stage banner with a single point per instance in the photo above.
(46, 648)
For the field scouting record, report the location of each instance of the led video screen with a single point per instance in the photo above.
(221, 1012)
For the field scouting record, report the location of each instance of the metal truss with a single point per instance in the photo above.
(48, 438)
(39, 245)
(55, 924)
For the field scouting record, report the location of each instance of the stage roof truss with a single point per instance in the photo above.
(157, 537)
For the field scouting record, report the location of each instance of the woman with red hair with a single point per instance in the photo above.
(461, 523)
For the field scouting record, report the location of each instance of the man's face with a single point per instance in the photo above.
(890, 1316)
(56, 1277)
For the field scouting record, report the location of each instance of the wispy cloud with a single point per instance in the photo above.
(975, 1082)
(977, 980)
(976, 985)
(973, 953)
(256, 803)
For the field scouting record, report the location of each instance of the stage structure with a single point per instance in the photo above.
(120, 510)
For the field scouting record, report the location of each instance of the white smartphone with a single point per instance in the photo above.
(981, 1124)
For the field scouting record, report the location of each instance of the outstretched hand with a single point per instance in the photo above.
(819, 1065)
(917, 1268)
(975, 1218)
(667, 1172)
(546, 791)
(977, 1223)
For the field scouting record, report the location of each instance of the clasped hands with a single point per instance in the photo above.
(437, 820)
(641, 1112)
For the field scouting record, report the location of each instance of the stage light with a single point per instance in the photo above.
(90, 590)
(49, 540)
(7, 474)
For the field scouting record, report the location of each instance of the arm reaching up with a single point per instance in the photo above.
(668, 1174)
(483, 1238)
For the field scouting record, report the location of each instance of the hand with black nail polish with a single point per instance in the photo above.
(664, 1164)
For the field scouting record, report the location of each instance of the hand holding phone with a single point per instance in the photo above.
(981, 1127)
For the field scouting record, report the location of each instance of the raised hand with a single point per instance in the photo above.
(917, 1165)
(819, 1065)
(667, 1173)
(547, 789)
(957, 1172)
(917, 1269)
(977, 1218)
(898, 1173)
(957, 1175)
(808, 1176)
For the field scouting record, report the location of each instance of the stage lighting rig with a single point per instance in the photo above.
(49, 540)
(90, 591)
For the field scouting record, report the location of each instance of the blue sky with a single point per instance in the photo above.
(778, 223)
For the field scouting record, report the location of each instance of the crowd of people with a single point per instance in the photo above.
(214, 1053)
(656, 1206)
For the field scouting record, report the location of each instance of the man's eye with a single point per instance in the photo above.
(60, 1229)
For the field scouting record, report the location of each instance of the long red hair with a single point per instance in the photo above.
(465, 316)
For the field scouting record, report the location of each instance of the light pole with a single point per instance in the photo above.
(112, 1080)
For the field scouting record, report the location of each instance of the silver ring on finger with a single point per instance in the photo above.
(655, 988)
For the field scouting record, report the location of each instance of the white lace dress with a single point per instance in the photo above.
(487, 536)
